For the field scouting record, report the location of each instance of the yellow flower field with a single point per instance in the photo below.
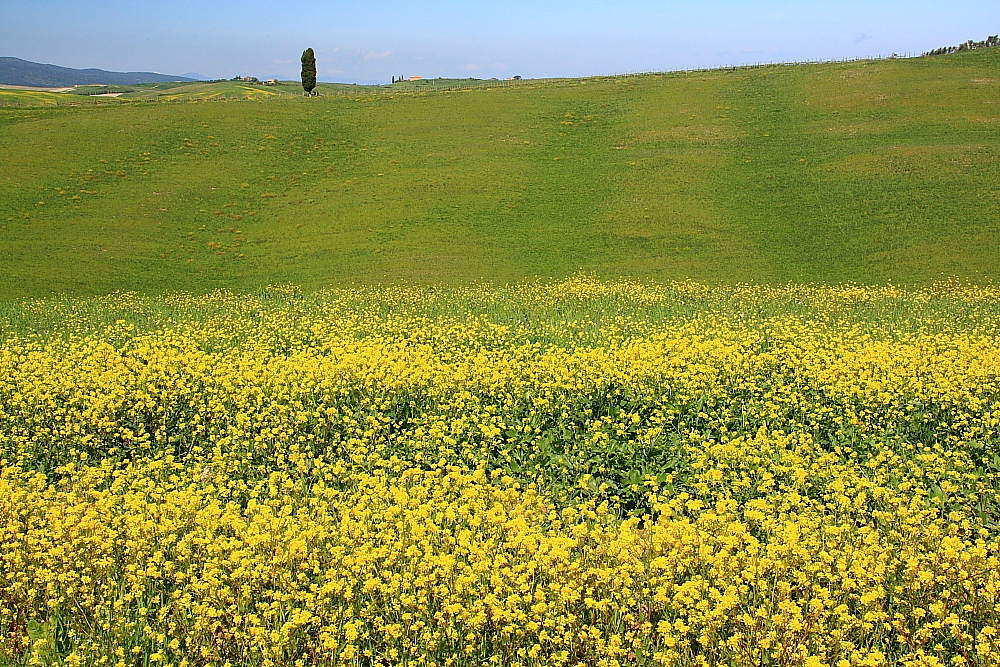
(576, 473)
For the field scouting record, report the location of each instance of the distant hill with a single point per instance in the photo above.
(17, 72)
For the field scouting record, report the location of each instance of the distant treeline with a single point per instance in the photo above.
(992, 40)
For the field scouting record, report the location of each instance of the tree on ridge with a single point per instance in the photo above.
(308, 71)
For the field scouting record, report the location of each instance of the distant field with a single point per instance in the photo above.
(869, 171)
(171, 91)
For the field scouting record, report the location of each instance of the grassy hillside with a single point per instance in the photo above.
(869, 171)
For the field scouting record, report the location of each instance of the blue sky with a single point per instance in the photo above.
(371, 41)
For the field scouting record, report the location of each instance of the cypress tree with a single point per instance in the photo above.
(308, 71)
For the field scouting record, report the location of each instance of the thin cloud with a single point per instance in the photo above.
(371, 55)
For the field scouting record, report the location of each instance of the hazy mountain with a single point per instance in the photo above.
(194, 75)
(17, 72)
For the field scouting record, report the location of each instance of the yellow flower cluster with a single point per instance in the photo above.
(581, 473)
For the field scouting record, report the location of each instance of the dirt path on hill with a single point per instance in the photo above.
(43, 90)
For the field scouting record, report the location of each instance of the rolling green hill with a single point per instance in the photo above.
(870, 171)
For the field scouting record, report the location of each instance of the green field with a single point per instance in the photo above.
(873, 171)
